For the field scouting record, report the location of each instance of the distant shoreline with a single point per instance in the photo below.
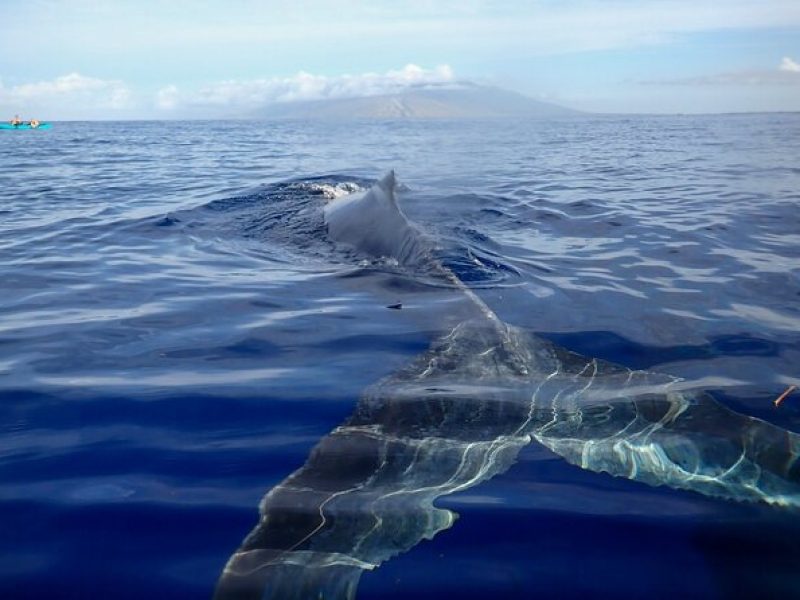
(577, 116)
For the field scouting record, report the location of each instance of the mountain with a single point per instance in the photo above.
(428, 102)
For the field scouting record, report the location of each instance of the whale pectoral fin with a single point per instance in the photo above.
(689, 442)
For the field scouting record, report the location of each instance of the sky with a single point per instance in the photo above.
(123, 59)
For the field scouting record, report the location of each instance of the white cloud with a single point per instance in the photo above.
(254, 93)
(788, 73)
(72, 94)
(168, 97)
(787, 64)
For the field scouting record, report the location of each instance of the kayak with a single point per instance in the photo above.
(24, 126)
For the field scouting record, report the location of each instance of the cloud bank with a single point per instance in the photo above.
(256, 93)
(73, 95)
(76, 96)
(787, 73)
(790, 66)
(70, 85)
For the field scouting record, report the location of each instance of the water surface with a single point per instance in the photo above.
(176, 334)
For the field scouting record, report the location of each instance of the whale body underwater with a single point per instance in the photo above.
(460, 413)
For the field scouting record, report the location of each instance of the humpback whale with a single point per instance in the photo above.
(460, 413)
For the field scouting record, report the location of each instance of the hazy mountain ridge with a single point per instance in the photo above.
(424, 102)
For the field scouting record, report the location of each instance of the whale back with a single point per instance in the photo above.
(459, 414)
(372, 223)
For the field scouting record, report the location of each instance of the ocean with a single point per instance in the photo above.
(178, 333)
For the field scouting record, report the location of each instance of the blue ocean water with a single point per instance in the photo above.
(177, 333)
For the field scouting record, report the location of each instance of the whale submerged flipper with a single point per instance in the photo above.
(459, 414)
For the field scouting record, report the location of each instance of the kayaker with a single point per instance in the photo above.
(16, 121)
(34, 123)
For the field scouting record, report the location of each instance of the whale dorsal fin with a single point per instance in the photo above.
(373, 224)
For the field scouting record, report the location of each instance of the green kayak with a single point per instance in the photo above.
(24, 126)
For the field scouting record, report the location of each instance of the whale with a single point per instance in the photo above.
(461, 412)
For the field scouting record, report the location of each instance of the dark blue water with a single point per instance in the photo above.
(177, 333)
